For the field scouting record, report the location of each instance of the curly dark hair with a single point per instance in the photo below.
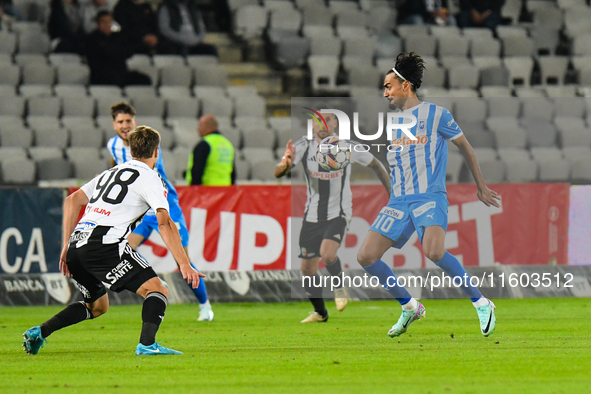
(410, 65)
(122, 108)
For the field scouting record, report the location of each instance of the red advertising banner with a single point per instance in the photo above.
(257, 227)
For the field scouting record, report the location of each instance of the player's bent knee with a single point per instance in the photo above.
(434, 255)
(365, 258)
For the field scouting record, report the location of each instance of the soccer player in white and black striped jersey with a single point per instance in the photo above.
(329, 208)
(96, 251)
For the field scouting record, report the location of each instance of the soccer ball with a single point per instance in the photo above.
(333, 154)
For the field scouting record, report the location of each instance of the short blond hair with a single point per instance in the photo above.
(143, 141)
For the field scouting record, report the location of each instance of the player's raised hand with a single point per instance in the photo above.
(288, 154)
(191, 275)
(63, 266)
(489, 197)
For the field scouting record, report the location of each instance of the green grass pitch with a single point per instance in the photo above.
(539, 346)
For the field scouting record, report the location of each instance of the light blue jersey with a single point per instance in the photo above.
(122, 154)
(421, 165)
(418, 199)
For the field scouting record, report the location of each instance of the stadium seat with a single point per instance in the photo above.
(548, 16)
(477, 134)
(412, 30)
(434, 76)
(581, 171)
(360, 46)
(553, 69)
(19, 171)
(84, 134)
(205, 92)
(242, 169)
(168, 60)
(477, 32)
(73, 74)
(453, 46)
(211, 76)
(10, 74)
(183, 107)
(256, 155)
(38, 74)
(538, 108)
(501, 107)
(382, 20)
(572, 132)
(285, 19)
(482, 62)
(104, 103)
(463, 76)
(176, 76)
(554, 170)
(278, 4)
(250, 21)
(38, 153)
(7, 42)
(529, 92)
(74, 91)
(492, 171)
(45, 106)
(517, 46)
(576, 153)
(352, 32)
(234, 135)
(520, 69)
(219, 106)
(365, 75)
(174, 92)
(485, 154)
(43, 122)
(149, 106)
(511, 31)
(351, 18)
(569, 107)
(316, 14)
(8, 153)
(540, 132)
(317, 31)
(54, 169)
(545, 40)
(250, 122)
(289, 49)
(576, 21)
(484, 46)
(424, 44)
(264, 170)
(33, 42)
(387, 46)
(560, 91)
(258, 138)
(495, 91)
(78, 106)
(201, 60)
(325, 46)
(450, 62)
(494, 76)
(12, 105)
(470, 110)
(15, 135)
(507, 131)
(324, 72)
(521, 171)
(250, 106)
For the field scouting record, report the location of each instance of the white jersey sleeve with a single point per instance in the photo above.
(156, 196)
(300, 147)
(90, 187)
(360, 156)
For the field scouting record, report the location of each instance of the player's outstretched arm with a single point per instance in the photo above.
(383, 176)
(172, 239)
(72, 205)
(286, 161)
(487, 196)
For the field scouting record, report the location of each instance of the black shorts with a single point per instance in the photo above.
(118, 266)
(313, 234)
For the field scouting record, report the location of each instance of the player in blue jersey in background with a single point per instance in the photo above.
(124, 122)
(419, 199)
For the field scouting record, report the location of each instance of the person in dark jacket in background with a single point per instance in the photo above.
(106, 52)
(212, 160)
(138, 25)
(182, 28)
(480, 13)
(65, 26)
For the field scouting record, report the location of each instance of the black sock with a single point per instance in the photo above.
(335, 269)
(74, 313)
(152, 315)
(315, 295)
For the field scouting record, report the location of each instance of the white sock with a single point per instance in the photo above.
(207, 304)
(410, 305)
(481, 302)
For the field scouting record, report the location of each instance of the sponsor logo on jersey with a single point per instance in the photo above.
(395, 213)
(84, 226)
(119, 272)
(404, 141)
(80, 236)
(422, 125)
(423, 208)
(326, 175)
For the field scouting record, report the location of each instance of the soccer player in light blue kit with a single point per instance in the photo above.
(124, 122)
(419, 199)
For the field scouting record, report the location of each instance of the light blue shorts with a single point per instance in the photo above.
(403, 215)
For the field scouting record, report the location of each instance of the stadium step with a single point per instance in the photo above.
(229, 50)
(260, 75)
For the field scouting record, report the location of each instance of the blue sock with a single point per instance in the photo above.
(200, 291)
(381, 270)
(453, 268)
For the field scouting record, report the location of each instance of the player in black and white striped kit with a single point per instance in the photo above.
(329, 208)
(96, 252)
